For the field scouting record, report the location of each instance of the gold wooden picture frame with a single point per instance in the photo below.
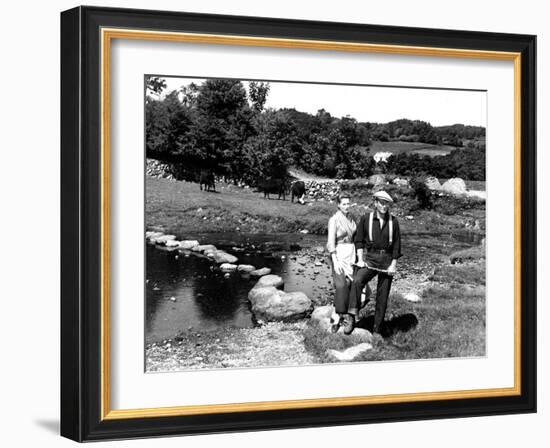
(87, 37)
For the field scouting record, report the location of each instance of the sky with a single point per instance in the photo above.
(379, 104)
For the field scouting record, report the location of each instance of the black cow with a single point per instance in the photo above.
(298, 191)
(273, 185)
(207, 179)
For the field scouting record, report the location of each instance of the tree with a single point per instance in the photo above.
(222, 125)
(189, 94)
(155, 85)
(167, 126)
(156, 123)
(270, 150)
(258, 92)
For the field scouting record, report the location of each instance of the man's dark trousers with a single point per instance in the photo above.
(360, 279)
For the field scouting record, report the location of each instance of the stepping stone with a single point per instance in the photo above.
(163, 239)
(188, 244)
(350, 353)
(260, 272)
(228, 267)
(204, 248)
(245, 268)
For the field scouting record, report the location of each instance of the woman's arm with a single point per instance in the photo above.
(331, 246)
(331, 240)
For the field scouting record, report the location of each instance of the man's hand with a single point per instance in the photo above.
(392, 268)
(360, 262)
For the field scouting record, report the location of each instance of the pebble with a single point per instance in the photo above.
(412, 297)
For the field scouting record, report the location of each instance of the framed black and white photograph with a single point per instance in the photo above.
(259, 196)
(277, 224)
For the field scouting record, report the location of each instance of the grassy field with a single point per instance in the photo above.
(181, 208)
(414, 147)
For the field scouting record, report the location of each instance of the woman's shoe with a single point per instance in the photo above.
(336, 325)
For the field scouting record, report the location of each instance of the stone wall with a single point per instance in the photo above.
(325, 190)
(158, 169)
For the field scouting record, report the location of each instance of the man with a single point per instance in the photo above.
(378, 246)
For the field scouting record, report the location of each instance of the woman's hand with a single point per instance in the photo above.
(338, 268)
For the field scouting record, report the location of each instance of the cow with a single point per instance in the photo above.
(207, 179)
(273, 185)
(298, 191)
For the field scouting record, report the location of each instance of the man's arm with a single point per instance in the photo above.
(396, 247)
(359, 241)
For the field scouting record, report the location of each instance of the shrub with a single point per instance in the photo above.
(422, 193)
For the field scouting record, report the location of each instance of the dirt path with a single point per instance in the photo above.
(273, 344)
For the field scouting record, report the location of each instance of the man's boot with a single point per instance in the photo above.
(349, 323)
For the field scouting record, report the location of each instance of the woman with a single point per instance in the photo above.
(341, 231)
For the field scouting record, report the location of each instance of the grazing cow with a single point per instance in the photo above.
(298, 191)
(273, 185)
(206, 178)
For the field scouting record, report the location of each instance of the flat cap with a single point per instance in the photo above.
(383, 195)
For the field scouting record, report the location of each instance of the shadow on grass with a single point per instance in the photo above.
(397, 324)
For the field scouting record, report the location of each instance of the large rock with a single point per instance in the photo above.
(221, 256)
(270, 280)
(351, 353)
(272, 304)
(152, 234)
(454, 186)
(325, 316)
(204, 248)
(188, 244)
(432, 183)
(401, 182)
(172, 243)
(377, 179)
(260, 272)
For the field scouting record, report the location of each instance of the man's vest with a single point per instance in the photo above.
(390, 224)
